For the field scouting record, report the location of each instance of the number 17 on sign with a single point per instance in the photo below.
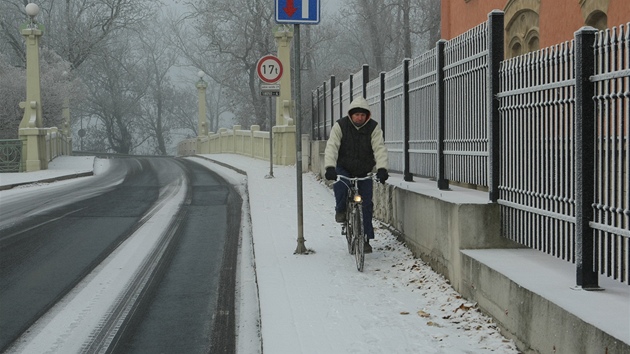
(269, 69)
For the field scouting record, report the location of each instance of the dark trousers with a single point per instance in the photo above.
(365, 190)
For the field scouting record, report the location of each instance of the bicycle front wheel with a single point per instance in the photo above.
(349, 228)
(358, 238)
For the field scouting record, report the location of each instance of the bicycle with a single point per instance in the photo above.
(352, 227)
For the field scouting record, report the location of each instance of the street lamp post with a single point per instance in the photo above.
(201, 89)
(31, 127)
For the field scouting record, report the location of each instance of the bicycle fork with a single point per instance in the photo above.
(353, 199)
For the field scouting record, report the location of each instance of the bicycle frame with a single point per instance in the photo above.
(353, 226)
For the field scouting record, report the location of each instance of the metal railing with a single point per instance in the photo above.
(13, 151)
(611, 204)
(11, 155)
(423, 110)
(466, 123)
(526, 129)
(393, 99)
(537, 103)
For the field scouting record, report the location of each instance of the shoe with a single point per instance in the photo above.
(366, 247)
(340, 217)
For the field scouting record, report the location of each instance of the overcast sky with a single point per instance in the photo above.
(331, 5)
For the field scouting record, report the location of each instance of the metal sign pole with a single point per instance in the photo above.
(287, 12)
(301, 248)
(269, 69)
(270, 175)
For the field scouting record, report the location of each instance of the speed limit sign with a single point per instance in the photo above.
(269, 69)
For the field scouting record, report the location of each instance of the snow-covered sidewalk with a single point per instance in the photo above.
(320, 303)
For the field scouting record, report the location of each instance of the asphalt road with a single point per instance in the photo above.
(184, 302)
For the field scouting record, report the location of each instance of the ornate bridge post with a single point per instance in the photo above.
(31, 127)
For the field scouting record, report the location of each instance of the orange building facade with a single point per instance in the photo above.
(534, 24)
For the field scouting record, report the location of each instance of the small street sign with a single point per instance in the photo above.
(270, 90)
(269, 69)
(298, 11)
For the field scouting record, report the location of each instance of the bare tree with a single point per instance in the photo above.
(230, 36)
(185, 112)
(371, 24)
(117, 84)
(12, 92)
(157, 105)
(381, 33)
(425, 20)
(56, 86)
(75, 29)
(12, 15)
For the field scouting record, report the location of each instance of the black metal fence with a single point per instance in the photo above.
(547, 134)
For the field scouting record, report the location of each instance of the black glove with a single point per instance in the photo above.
(382, 175)
(331, 174)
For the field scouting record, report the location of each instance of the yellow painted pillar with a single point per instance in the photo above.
(202, 129)
(67, 134)
(31, 127)
(283, 35)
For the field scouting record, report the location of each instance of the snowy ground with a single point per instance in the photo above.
(319, 303)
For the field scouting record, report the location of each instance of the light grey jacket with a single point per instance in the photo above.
(334, 141)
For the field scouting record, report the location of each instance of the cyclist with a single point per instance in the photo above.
(355, 148)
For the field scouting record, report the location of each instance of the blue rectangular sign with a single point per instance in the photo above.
(297, 11)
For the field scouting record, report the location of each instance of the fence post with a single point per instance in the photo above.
(323, 123)
(584, 158)
(332, 106)
(382, 101)
(495, 56)
(366, 79)
(351, 93)
(442, 182)
(406, 174)
(315, 109)
(341, 100)
(23, 155)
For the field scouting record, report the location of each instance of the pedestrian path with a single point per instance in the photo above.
(320, 303)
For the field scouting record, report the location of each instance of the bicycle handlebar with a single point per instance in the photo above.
(369, 176)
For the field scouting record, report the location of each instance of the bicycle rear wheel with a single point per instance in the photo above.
(358, 239)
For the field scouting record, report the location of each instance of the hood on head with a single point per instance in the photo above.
(361, 104)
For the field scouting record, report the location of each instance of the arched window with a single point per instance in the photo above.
(595, 13)
(598, 20)
(521, 27)
(515, 48)
(533, 42)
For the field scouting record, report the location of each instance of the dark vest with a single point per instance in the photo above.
(355, 151)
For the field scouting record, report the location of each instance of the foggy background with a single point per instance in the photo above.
(130, 78)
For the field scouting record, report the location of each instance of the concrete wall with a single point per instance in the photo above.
(436, 229)
(253, 143)
(536, 324)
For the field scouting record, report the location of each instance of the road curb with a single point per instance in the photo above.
(48, 180)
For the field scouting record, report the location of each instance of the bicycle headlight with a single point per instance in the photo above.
(357, 198)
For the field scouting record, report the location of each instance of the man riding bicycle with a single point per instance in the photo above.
(355, 147)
